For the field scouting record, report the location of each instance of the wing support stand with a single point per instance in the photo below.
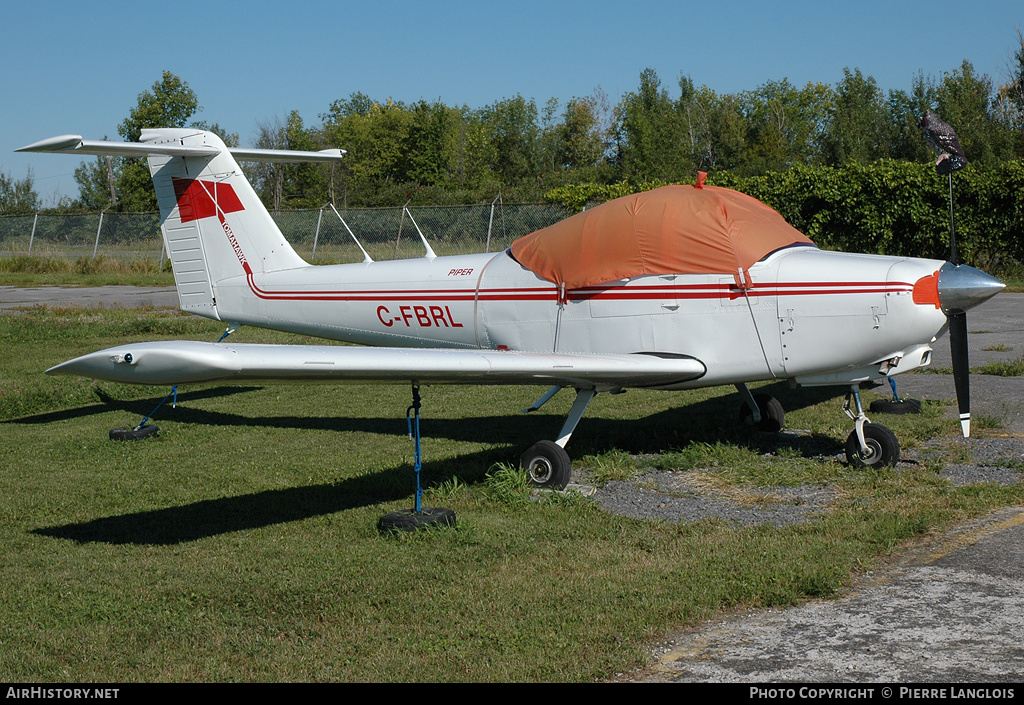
(418, 517)
(414, 410)
(142, 429)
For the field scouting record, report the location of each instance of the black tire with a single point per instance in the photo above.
(409, 520)
(772, 414)
(133, 434)
(888, 406)
(547, 465)
(883, 448)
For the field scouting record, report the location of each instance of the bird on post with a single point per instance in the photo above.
(943, 140)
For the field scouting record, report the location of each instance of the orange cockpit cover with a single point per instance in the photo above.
(670, 230)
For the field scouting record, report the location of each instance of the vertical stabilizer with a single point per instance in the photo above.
(215, 227)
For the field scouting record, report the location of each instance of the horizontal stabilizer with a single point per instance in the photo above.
(74, 144)
(183, 362)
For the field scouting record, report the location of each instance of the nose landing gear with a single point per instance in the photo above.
(870, 444)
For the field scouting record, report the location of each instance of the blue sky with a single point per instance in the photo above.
(78, 68)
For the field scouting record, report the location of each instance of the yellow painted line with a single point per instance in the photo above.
(970, 538)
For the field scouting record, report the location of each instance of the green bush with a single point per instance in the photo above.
(889, 207)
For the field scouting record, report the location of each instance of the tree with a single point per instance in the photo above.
(649, 134)
(966, 101)
(512, 134)
(1011, 94)
(905, 110)
(784, 124)
(859, 128)
(169, 103)
(18, 197)
(715, 131)
(580, 139)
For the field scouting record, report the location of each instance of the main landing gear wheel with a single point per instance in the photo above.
(547, 464)
(134, 433)
(883, 449)
(410, 520)
(772, 414)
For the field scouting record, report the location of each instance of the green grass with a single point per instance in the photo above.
(241, 543)
(1002, 368)
(34, 270)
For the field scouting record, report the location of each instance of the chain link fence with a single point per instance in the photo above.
(323, 235)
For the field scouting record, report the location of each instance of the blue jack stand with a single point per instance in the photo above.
(418, 517)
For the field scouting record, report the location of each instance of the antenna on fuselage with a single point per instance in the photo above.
(430, 252)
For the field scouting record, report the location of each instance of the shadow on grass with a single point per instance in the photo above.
(713, 420)
(709, 421)
(214, 517)
(141, 407)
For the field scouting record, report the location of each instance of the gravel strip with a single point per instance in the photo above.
(677, 496)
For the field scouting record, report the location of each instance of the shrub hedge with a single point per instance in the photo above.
(889, 207)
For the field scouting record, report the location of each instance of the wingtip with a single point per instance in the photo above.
(53, 144)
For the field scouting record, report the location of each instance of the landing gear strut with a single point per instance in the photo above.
(762, 412)
(870, 444)
(546, 462)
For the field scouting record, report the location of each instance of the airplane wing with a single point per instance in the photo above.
(74, 144)
(184, 361)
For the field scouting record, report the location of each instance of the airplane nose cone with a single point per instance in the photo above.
(962, 287)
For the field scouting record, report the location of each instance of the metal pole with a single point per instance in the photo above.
(954, 256)
(98, 228)
(33, 235)
(490, 222)
(316, 235)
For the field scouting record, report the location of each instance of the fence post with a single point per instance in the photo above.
(98, 228)
(33, 235)
(316, 235)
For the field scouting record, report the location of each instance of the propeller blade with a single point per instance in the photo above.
(961, 368)
(960, 288)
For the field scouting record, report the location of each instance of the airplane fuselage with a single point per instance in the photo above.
(769, 325)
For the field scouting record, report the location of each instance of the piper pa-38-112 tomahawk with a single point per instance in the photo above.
(676, 288)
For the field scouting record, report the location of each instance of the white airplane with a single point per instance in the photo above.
(677, 288)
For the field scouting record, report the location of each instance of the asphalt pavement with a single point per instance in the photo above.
(13, 297)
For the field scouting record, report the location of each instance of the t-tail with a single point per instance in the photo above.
(198, 184)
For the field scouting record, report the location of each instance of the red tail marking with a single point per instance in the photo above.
(200, 199)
